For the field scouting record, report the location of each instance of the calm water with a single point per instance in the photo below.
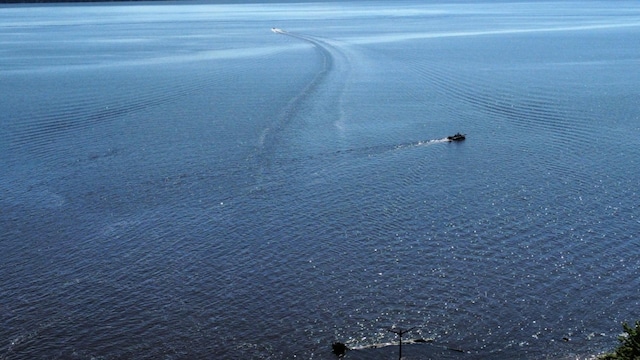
(179, 182)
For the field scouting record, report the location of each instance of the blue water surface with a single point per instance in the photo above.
(178, 181)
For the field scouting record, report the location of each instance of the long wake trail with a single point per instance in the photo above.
(324, 89)
(270, 136)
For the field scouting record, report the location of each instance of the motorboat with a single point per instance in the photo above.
(456, 137)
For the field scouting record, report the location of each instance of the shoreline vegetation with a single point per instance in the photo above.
(629, 344)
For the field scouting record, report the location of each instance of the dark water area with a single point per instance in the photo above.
(178, 181)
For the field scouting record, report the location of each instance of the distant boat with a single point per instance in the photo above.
(277, 30)
(456, 137)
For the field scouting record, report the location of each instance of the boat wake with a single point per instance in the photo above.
(317, 106)
(271, 135)
(380, 149)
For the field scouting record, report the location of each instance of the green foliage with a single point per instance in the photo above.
(629, 348)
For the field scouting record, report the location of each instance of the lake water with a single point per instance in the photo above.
(180, 182)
